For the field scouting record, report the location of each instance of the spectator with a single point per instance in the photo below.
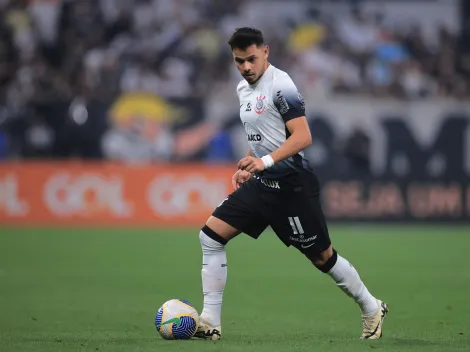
(62, 58)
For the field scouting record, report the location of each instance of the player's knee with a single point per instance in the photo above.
(325, 260)
(211, 241)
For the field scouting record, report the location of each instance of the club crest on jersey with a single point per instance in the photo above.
(260, 105)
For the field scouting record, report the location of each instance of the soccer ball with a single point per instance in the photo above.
(177, 319)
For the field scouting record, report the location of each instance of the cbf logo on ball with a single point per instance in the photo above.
(253, 136)
(260, 105)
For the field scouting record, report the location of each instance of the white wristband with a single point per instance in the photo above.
(268, 161)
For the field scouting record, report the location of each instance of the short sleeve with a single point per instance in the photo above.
(287, 99)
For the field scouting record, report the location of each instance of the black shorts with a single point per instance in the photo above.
(290, 205)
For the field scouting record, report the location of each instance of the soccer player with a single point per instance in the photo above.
(274, 186)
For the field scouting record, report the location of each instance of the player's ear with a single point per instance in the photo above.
(266, 51)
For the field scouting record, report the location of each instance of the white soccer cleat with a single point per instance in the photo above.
(208, 332)
(372, 326)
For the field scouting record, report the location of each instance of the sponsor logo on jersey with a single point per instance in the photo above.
(248, 107)
(260, 105)
(254, 137)
(283, 105)
(301, 99)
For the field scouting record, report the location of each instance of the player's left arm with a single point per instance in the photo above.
(300, 138)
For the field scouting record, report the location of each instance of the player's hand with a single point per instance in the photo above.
(240, 177)
(251, 164)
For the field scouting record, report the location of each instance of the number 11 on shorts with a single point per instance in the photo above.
(296, 226)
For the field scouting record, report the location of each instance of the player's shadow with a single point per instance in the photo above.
(411, 342)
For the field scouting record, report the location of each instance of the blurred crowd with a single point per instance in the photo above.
(132, 79)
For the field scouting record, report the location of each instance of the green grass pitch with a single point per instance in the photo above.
(99, 290)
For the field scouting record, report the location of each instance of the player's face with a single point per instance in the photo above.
(251, 62)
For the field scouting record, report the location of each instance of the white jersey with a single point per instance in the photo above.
(265, 107)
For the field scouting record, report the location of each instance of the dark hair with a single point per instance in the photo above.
(243, 37)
